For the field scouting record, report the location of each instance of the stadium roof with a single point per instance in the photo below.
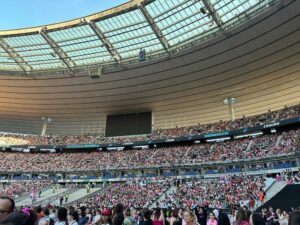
(198, 53)
(114, 37)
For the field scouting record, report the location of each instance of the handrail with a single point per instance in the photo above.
(55, 197)
(86, 196)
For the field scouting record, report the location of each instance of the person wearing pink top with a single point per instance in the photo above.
(212, 219)
(158, 217)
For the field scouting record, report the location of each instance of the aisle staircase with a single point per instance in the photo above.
(162, 197)
(274, 189)
(78, 195)
(48, 194)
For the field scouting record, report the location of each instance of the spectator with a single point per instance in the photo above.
(241, 217)
(223, 219)
(256, 219)
(158, 217)
(19, 218)
(128, 219)
(189, 217)
(62, 214)
(201, 215)
(82, 216)
(106, 217)
(7, 206)
(118, 216)
(212, 220)
(73, 218)
(97, 217)
(147, 217)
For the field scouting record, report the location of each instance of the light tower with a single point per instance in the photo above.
(46, 121)
(230, 101)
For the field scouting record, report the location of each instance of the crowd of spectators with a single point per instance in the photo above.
(166, 201)
(269, 117)
(16, 188)
(222, 193)
(121, 215)
(133, 193)
(250, 148)
(288, 176)
(265, 118)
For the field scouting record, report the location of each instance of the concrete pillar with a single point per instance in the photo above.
(230, 102)
(46, 121)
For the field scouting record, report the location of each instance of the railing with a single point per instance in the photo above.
(53, 198)
(86, 196)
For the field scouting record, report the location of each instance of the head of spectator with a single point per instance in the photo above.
(174, 213)
(241, 217)
(247, 214)
(157, 214)
(256, 219)
(189, 217)
(223, 219)
(106, 217)
(46, 211)
(147, 214)
(7, 206)
(118, 209)
(62, 214)
(278, 212)
(200, 210)
(38, 212)
(81, 211)
(19, 218)
(73, 216)
(118, 217)
(127, 212)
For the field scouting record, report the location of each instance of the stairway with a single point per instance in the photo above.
(162, 197)
(274, 189)
(278, 141)
(25, 195)
(249, 145)
(77, 195)
(45, 195)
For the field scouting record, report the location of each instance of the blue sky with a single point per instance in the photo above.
(27, 13)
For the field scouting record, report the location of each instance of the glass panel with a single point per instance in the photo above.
(129, 32)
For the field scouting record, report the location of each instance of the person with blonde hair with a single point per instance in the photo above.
(189, 218)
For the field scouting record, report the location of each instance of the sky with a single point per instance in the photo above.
(28, 13)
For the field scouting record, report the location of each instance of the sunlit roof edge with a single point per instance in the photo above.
(76, 22)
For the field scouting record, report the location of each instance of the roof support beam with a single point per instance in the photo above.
(155, 28)
(20, 61)
(59, 52)
(215, 16)
(112, 51)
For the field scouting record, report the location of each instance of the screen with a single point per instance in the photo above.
(128, 124)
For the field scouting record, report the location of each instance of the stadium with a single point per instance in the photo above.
(153, 112)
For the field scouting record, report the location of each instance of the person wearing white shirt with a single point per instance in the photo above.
(97, 217)
(62, 214)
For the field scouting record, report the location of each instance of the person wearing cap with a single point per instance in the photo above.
(105, 217)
